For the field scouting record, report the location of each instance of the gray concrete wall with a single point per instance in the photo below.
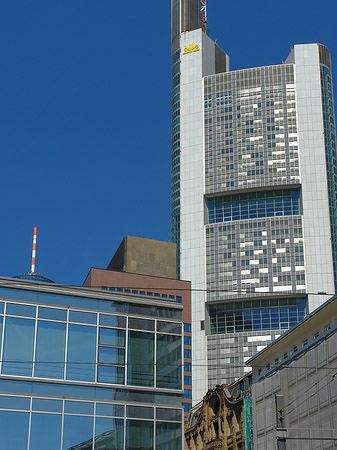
(309, 387)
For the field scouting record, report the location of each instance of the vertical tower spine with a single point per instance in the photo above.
(34, 250)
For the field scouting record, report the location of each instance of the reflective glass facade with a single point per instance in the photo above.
(282, 202)
(37, 423)
(80, 378)
(256, 315)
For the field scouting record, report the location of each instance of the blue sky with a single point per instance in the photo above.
(85, 117)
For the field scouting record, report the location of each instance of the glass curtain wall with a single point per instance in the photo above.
(60, 344)
(68, 425)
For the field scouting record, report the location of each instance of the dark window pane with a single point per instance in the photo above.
(77, 430)
(141, 324)
(50, 349)
(109, 434)
(168, 436)
(139, 412)
(18, 346)
(81, 353)
(140, 359)
(139, 435)
(169, 365)
(45, 431)
(169, 327)
(10, 423)
(169, 414)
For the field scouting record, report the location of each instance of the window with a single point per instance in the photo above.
(187, 393)
(187, 353)
(202, 325)
(187, 327)
(187, 340)
(187, 379)
(140, 370)
(188, 367)
(178, 299)
(187, 407)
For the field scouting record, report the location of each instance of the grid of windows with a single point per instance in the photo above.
(69, 344)
(175, 154)
(330, 149)
(59, 424)
(256, 315)
(255, 257)
(251, 129)
(281, 202)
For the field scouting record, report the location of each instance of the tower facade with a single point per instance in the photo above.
(253, 196)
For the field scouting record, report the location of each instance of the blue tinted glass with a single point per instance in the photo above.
(111, 355)
(50, 349)
(110, 374)
(78, 407)
(52, 314)
(112, 337)
(45, 431)
(77, 430)
(45, 404)
(11, 402)
(187, 407)
(187, 353)
(10, 423)
(112, 321)
(187, 379)
(14, 309)
(109, 434)
(106, 409)
(82, 317)
(187, 340)
(81, 353)
(18, 346)
(187, 327)
(188, 367)
(2, 307)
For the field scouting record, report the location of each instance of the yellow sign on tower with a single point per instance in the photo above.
(191, 48)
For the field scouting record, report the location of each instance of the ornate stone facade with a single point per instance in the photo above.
(216, 423)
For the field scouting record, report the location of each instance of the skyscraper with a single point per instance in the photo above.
(253, 194)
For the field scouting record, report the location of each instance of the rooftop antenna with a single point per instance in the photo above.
(203, 12)
(34, 250)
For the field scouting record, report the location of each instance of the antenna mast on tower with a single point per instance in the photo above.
(34, 250)
(203, 12)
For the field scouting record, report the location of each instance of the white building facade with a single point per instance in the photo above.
(253, 194)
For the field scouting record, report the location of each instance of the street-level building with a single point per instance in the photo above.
(253, 203)
(83, 368)
(294, 390)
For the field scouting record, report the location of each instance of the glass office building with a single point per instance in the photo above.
(86, 369)
(253, 194)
